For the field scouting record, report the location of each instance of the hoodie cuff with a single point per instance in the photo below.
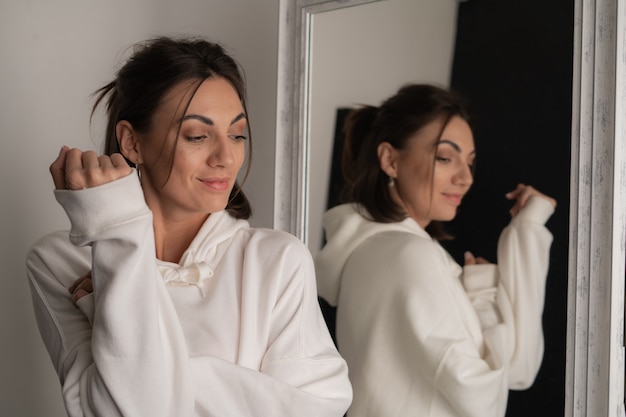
(537, 210)
(92, 210)
(479, 277)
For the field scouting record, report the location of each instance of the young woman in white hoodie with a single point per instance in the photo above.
(423, 336)
(182, 308)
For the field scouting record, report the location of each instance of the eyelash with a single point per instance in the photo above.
(447, 160)
(195, 138)
(236, 138)
(239, 138)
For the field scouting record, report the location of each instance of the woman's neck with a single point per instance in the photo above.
(172, 237)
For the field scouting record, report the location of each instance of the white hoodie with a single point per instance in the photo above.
(234, 330)
(422, 335)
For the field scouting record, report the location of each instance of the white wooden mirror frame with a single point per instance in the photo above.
(597, 260)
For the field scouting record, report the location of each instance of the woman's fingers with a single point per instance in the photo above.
(79, 281)
(521, 194)
(118, 161)
(518, 195)
(82, 286)
(470, 259)
(75, 170)
(77, 167)
(57, 169)
(512, 195)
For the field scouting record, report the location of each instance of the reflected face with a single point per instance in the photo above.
(208, 150)
(428, 192)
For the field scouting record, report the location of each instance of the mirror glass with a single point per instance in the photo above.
(389, 43)
(517, 78)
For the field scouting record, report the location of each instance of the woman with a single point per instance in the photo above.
(183, 308)
(422, 335)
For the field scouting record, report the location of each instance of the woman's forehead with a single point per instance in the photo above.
(200, 96)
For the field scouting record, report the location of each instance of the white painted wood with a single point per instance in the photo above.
(595, 345)
(290, 186)
(617, 376)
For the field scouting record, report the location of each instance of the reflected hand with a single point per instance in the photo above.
(81, 287)
(470, 259)
(521, 194)
(74, 169)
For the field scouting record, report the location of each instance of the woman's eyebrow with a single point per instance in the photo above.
(238, 118)
(454, 145)
(199, 117)
(208, 121)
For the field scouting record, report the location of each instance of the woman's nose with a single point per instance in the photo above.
(221, 154)
(464, 175)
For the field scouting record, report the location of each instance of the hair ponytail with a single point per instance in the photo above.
(357, 126)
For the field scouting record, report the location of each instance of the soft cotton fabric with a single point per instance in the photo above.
(233, 330)
(423, 336)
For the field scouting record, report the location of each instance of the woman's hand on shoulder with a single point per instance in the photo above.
(521, 194)
(74, 169)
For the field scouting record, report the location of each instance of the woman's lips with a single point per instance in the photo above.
(216, 184)
(454, 198)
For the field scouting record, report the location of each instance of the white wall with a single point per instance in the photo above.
(54, 54)
(362, 55)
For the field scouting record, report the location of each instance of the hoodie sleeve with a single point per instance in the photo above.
(513, 292)
(133, 359)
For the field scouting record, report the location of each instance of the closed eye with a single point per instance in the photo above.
(195, 138)
(238, 138)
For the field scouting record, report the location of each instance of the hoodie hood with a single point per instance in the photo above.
(346, 228)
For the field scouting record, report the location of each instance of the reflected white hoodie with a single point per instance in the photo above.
(424, 336)
(234, 330)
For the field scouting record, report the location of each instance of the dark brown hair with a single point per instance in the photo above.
(155, 67)
(398, 119)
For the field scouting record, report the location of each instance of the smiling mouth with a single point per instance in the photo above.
(454, 198)
(216, 185)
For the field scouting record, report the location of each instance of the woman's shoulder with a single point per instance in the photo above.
(271, 242)
(400, 251)
(278, 257)
(399, 241)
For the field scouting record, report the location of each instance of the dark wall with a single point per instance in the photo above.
(513, 62)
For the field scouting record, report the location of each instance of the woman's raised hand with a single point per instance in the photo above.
(521, 194)
(74, 169)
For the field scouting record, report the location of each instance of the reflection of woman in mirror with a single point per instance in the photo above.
(183, 308)
(422, 335)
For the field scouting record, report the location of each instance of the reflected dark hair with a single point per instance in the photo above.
(396, 121)
(155, 67)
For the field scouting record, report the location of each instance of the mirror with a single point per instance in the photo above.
(371, 73)
(594, 360)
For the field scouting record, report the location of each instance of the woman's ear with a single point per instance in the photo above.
(387, 158)
(127, 141)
